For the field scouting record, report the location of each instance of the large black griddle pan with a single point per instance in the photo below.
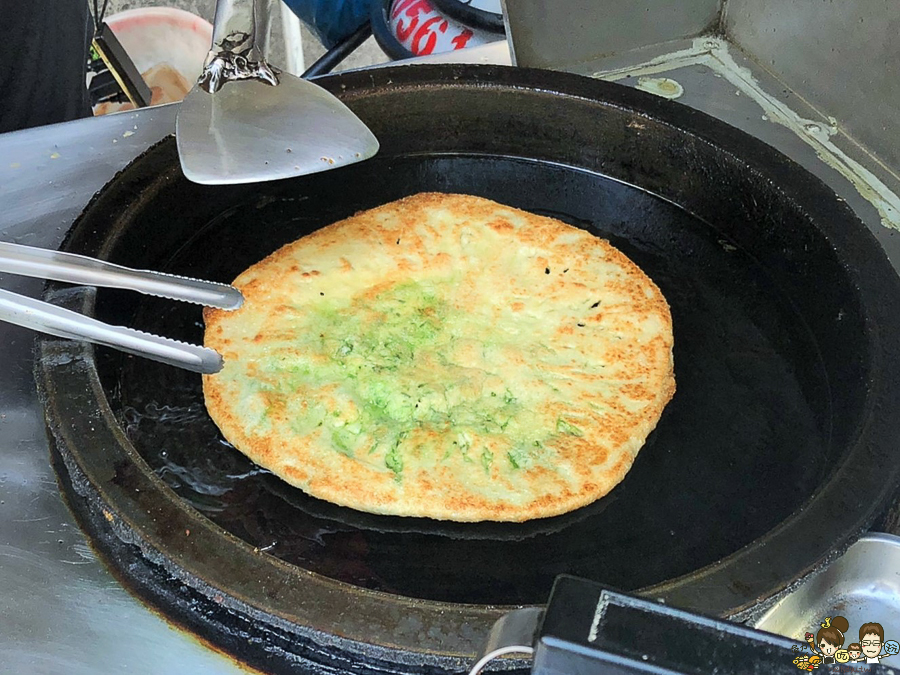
(779, 447)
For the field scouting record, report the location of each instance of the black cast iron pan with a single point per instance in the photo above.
(778, 449)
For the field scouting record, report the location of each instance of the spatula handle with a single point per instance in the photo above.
(240, 40)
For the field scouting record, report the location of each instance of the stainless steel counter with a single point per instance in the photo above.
(60, 609)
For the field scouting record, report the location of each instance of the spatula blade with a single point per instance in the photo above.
(250, 132)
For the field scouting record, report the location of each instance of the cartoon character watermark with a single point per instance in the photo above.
(826, 647)
(874, 648)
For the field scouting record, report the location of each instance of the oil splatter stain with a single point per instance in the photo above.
(661, 86)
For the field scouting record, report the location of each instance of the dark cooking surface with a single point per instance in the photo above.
(741, 446)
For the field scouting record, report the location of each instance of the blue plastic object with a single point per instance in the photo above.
(331, 20)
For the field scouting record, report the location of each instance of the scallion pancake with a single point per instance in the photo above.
(444, 356)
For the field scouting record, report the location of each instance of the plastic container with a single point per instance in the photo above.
(168, 47)
(409, 28)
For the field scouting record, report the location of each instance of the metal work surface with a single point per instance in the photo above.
(62, 609)
(861, 586)
(842, 57)
(561, 34)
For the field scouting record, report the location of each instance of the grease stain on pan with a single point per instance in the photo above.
(660, 86)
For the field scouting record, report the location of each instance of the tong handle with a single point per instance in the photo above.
(78, 269)
(46, 318)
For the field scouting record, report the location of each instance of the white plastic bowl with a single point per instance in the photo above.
(168, 47)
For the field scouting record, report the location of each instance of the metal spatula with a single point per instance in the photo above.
(246, 122)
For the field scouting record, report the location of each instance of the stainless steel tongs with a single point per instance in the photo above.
(77, 269)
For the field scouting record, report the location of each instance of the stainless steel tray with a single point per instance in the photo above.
(863, 586)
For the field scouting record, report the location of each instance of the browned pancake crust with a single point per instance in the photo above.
(628, 334)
